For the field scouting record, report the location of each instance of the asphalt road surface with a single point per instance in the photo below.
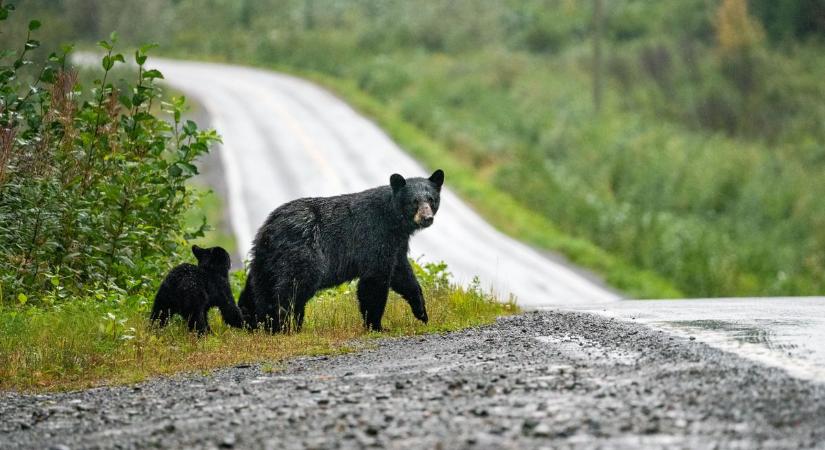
(782, 332)
(285, 138)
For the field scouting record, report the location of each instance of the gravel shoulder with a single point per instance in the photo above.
(541, 379)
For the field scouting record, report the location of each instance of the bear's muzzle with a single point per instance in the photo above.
(424, 215)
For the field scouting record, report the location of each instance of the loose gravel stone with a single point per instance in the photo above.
(537, 380)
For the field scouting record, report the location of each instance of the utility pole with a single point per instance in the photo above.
(598, 24)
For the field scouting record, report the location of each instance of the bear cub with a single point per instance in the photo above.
(191, 291)
(314, 243)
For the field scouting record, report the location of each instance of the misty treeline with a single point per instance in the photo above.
(705, 163)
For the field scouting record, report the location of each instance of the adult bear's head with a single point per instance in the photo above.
(417, 198)
(214, 260)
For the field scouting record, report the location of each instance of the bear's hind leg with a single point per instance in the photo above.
(293, 310)
(247, 305)
(198, 322)
(271, 318)
(372, 299)
(162, 306)
(285, 312)
(299, 317)
(160, 316)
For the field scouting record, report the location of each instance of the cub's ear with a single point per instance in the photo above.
(397, 182)
(437, 178)
(198, 252)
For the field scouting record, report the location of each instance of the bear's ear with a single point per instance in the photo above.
(437, 178)
(397, 182)
(198, 252)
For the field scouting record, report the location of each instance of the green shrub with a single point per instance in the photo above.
(92, 190)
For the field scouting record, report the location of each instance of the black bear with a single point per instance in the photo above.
(191, 291)
(315, 243)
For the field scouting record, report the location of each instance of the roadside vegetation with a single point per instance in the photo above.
(97, 203)
(89, 341)
(703, 164)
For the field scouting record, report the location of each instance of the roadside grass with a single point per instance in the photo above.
(93, 342)
(504, 212)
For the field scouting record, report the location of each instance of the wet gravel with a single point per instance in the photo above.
(538, 380)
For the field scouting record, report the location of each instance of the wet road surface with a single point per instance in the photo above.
(781, 332)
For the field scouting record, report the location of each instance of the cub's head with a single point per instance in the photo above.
(213, 259)
(417, 198)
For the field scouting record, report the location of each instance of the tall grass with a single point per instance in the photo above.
(109, 341)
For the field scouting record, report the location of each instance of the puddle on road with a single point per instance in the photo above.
(780, 332)
(760, 334)
(755, 341)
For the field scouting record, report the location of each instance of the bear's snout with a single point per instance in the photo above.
(424, 215)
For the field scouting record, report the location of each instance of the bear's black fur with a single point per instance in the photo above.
(315, 243)
(191, 291)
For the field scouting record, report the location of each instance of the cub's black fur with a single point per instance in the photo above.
(192, 290)
(315, 243)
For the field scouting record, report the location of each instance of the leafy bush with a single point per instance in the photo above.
(92, 190)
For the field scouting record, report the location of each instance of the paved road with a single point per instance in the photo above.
(780, 332)
(286, 138)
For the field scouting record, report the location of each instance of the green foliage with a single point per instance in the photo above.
(209, 216)
(703, 166)
(790, 19)
(92, 190)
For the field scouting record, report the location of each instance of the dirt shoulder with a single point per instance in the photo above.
(535, 380)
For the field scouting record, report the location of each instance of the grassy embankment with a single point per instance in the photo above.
(92, 342)
(702, 166)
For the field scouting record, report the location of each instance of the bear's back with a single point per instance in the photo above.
(323, 221)
(338, 238)
(185, 278)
